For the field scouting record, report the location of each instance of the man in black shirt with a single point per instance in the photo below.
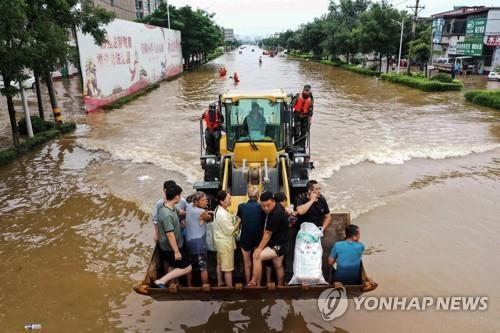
(274, 241)
(313, 207)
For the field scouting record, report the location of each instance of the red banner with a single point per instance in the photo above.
(493, 40)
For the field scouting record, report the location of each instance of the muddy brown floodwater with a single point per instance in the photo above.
(419, 172)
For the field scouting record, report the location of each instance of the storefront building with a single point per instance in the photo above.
(469, 33)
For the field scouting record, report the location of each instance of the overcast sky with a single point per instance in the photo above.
(264, 17)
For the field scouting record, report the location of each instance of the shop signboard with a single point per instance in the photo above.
(471, 46)
(437, 30)
(493, 40)
(475, 26)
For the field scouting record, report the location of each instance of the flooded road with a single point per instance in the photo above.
(420, 173)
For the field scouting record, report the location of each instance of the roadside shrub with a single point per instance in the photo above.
(352, 68)
(302, 55)
(422, 83)
(126, 99)
(10, 154)
(215, 54)
(37, 123)
(65, 128)
(361, 70)
(442, 77)
(490, 98)
(7, 156)
(331, 62)
(356, 61)
(470, 95)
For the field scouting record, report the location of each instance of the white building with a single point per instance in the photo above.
(228, 35)
(146, 7)
(468, 31)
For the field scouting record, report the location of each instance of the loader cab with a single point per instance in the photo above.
(256, 148)
(251, 120)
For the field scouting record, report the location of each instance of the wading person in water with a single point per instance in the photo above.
(170, 238)
(347, 254)
(274, 242)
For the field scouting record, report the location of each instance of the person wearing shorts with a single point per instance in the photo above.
(170, 238)
(274, 242)
(169, 258)
(252, 226)
(226, 226)
(196, 230)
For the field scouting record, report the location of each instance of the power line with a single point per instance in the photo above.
(400, 3)
(416, 10)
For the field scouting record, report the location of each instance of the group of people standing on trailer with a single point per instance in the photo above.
(261, 226)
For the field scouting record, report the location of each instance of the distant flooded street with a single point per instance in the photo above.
(419, 172)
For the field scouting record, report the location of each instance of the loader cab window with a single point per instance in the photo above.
(254, 120)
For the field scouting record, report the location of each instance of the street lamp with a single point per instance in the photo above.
(168, 14)
(400, 40)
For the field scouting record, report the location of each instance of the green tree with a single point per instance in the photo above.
(34, 34)
(15, 41)
(379, 32)
(312, 36)
(200, 34)
(420, 48)
(51, 23)
(343, 27)
(270, 43)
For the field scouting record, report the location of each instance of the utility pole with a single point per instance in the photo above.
(168, 14)
(56, 111)
(416, 10)
(27, 116)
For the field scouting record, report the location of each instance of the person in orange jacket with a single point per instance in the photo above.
(213, 118)
(303, 111)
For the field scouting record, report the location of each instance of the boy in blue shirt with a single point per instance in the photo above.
(347, 254)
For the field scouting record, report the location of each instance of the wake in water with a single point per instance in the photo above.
(326, 168)
(355, 123)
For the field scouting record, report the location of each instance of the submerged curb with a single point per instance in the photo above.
(10, 154)
(422, 83)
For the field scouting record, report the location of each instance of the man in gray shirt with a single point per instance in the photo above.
(180, 208)
(170, 238)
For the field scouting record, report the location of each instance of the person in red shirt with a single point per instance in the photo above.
(213, 118)
(303, 111)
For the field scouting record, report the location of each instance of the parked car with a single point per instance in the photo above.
(29, 83)
(494, 74)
